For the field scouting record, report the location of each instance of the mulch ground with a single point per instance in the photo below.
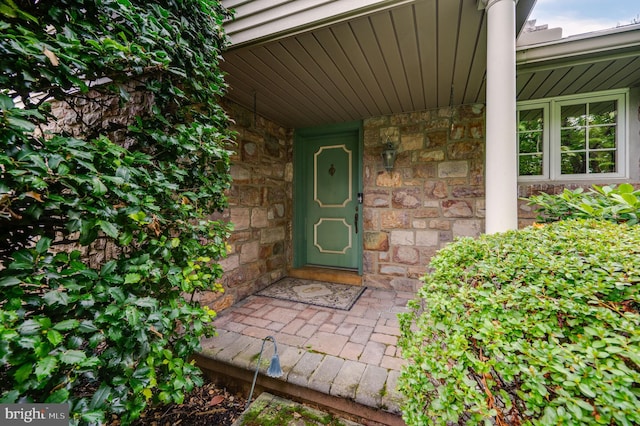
(207, 405)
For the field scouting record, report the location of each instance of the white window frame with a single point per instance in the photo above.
(551, 134)
(545, 138)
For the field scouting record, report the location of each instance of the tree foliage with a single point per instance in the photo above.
(113, 334)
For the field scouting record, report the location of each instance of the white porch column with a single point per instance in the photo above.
(501, 175)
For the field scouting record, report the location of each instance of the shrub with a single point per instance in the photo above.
(617, 204)
(116, 333)
(537, 326)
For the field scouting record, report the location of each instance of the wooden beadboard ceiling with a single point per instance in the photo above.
(409, 58)
(416, 56)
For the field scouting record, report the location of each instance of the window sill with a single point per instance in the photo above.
(590, 180)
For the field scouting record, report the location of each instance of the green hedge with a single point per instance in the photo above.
(620, 204)
(537, 326)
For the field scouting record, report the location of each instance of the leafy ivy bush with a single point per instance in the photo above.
(535, 327)
(114, 334)
(616, 204)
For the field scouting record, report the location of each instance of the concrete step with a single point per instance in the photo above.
(349, 389)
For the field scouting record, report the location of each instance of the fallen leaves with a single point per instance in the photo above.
(52, 57)
(218, 399)
(204, 406)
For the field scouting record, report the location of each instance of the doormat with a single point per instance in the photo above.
(318, 293)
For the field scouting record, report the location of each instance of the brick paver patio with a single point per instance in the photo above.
(351, 355)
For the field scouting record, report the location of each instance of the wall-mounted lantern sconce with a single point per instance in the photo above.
(274, 367)
(389, 155)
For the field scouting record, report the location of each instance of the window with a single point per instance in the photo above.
(531, 140)
(578, 137)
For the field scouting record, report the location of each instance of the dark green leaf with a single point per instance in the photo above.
(56, 296)
(87, 326)
(9, 281)
(99, 188)
(108, 228)
(43, 245)
(58, 396)
(108, 268)
(29, 327)
(5, 102)
(66, 325)
(22, 125)
(147, 302)
(23, 372)
(93, 417)
(72, 357)
(45, 367)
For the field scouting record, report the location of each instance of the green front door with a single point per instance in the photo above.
(328, 226)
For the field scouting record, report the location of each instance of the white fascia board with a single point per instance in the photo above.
(255, 23)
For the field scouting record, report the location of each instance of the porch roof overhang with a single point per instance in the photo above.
(591, 62)
(311, 62)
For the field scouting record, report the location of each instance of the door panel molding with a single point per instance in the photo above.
(328, 237)
(332, 170)
(324, 225)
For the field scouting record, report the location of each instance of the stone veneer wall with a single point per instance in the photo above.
(86, 116)
(260, 207)
(434, 193)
